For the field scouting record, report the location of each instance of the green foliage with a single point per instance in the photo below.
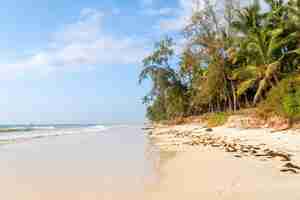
(176, 106)
(291, 101)
(233, 59)
(217, 119)
(244, 86)
(291, 105)
(284, 99)
(157, 110)
(166, 99)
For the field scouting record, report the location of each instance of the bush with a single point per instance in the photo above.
(283, 100)
(156, 111)
(217, 119)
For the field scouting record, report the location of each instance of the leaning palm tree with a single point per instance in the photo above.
(263, 45)
(268, 47)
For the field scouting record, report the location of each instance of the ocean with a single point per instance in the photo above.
(16, 133)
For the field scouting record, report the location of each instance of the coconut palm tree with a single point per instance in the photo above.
(263, 48)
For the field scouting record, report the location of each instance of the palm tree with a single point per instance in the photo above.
(268, 47)
(262, 48)
(225, 64)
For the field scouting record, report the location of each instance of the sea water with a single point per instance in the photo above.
(17, 133)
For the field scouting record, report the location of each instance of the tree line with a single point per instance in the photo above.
(234, 57)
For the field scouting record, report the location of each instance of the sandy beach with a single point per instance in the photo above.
(150, 100)
(127, 163)
(205, 170)
(211, 174)
(104, 165)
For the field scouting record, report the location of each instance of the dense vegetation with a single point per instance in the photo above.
(234, 57)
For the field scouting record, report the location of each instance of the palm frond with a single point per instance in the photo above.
(244, 86)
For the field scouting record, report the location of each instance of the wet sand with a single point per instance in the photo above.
(107, 165)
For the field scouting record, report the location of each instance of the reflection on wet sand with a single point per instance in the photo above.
(110, 165)
(157, 160)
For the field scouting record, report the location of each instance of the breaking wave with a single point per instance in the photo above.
(21, 133)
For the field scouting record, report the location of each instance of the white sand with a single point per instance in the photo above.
(116, 165)
(285, 141)
(209, 173)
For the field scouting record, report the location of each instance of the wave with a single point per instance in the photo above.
(49, 128)
(15, 129)
(20, 137)
(98, 127)
(25, 129)
(43, 127)
(94, 128)
(47, 131)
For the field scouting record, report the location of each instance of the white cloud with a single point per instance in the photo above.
(173, 19)
(183, 14)
(81, 44)
(148, 8)
(159, 12)
(185, 9)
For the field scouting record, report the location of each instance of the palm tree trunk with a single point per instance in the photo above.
(276, 78)
(247, 101)
(234, 96)
(230, 103)
(271, 83)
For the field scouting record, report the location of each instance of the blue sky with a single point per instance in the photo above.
(66, 61)
(78, 61)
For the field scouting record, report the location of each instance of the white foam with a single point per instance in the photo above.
(43, 127)
(98, 127)
(50, 132)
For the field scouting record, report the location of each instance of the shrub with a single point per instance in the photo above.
(283, 100)
(217, 119)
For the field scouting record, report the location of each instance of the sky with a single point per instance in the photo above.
(78, 61)
(66, 61)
